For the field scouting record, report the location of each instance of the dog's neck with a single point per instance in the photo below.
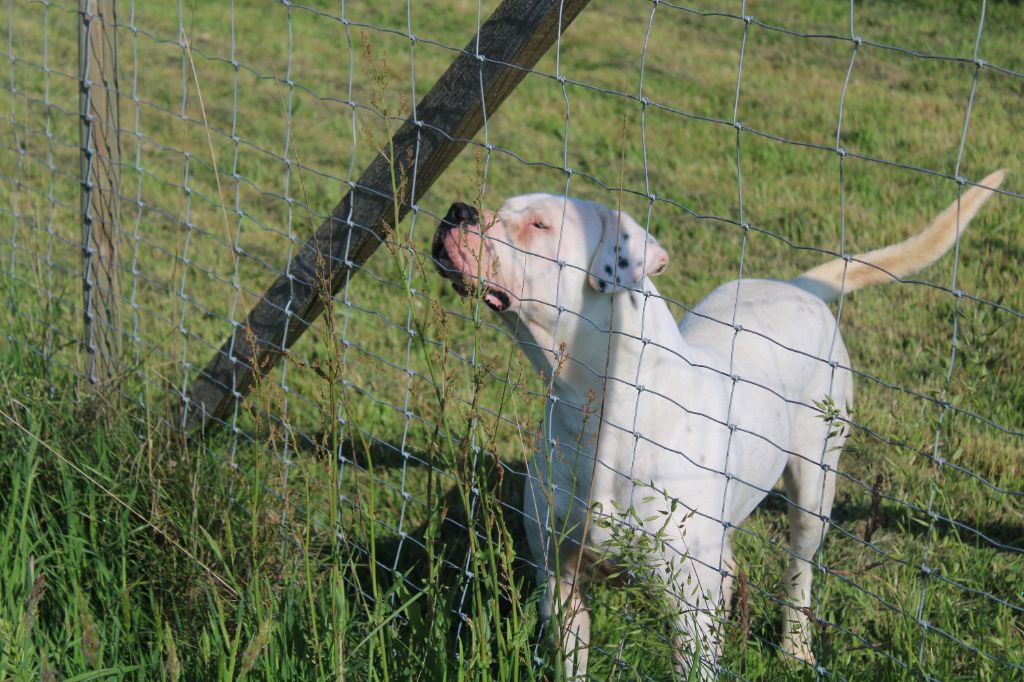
(581, 371)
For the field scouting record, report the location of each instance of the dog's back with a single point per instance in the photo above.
(782, 334)
(785, 337)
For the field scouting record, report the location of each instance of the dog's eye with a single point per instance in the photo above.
(539, 225)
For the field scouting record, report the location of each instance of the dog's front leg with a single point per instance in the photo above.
(571, 621)
(568, 618)
(729, 566)
(562, 609)
(697, 593)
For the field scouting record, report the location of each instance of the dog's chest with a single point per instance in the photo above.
(640, 441)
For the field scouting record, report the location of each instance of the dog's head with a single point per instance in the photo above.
(541, 251)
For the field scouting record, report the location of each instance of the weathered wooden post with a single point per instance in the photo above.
(100, 178)
(493, 63)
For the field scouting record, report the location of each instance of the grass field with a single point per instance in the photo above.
(126, 553)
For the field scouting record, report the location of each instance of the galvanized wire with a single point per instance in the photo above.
(39, 168)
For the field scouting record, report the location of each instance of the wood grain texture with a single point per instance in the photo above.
(100, 171)
(511, 41)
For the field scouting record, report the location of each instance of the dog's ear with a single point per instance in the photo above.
(626, 254)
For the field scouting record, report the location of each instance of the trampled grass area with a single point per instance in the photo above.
(128, 554)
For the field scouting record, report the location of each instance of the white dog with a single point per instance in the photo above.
(676, 432)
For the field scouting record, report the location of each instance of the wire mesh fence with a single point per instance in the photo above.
(412, 426)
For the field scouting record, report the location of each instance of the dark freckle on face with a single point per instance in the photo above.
(608, 269)
(623, 262)
(618, 280)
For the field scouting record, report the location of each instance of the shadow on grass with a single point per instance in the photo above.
(856, 517)
(436, 556)
(405, 557)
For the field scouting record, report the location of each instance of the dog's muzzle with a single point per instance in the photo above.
(458, 217)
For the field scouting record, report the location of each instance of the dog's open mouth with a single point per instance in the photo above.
(496, 299)
(464, 285)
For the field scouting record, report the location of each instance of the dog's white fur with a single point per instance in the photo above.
(687, 426)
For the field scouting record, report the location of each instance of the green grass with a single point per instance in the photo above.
(128, 554)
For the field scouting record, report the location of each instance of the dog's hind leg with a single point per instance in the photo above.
(811, 487)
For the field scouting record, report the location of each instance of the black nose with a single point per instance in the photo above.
(460, 214)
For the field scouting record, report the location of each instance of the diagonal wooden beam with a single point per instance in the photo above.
(509, 43)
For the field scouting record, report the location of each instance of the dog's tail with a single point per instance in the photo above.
(830, 280)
